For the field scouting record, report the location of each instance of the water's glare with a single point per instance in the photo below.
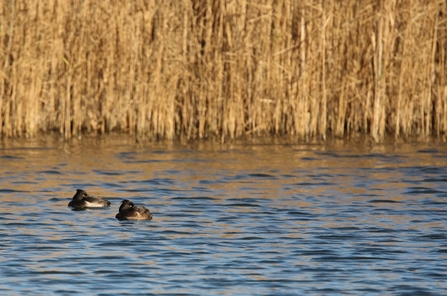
(241, 218)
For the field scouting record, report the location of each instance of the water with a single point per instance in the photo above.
(241, 218)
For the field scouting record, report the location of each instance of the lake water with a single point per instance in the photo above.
(258, 218)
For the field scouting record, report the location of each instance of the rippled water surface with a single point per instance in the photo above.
(240, 218)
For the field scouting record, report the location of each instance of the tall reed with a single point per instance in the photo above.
(224, 69)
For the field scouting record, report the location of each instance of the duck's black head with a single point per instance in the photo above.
(126, 205)
(80, 194)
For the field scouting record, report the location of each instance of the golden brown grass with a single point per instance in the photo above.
(224, 69)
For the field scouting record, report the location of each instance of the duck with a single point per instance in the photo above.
(128, 211)
(82, 200)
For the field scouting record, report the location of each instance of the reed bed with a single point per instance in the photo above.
(224, 69)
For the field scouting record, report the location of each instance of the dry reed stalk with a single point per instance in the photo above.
(441, 87)
(322, 116)
(402, 74)
(377, 72)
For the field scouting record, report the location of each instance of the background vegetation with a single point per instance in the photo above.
(210, 68)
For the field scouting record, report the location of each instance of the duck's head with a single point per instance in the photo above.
(80, 194)
(126, 205)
